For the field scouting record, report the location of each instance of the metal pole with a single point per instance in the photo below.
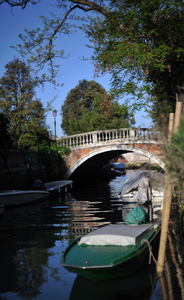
(55, 115)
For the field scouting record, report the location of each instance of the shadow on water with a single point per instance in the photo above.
(139, 286)
(32, 239)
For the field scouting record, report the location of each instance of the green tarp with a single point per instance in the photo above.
(136, 216)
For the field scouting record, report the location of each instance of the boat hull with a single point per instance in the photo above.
(99, 263)
(18, 197)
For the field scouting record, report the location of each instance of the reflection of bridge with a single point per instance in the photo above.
(91, 150)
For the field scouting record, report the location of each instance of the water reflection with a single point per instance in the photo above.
(32, 239)
(85, 216)
(139, 286)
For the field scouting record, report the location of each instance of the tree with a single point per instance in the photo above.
(21, 3)
(88, 107)
(35, 130)
(139, 42)
(17, 89)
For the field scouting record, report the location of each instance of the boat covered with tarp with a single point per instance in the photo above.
(143, 186)
(112, 251)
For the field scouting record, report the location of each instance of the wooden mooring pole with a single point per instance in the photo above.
(168, 191)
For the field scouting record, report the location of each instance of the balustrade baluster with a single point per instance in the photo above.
(121, 134)
(144, 134)
(112, 135)
(149, 132)
(103, 137)
(94, 138)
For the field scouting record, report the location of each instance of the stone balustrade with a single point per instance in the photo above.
(103, 137)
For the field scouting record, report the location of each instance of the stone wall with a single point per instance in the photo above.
(18, 169)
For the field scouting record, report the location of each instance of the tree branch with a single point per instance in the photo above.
(21, 3)
(91, 5)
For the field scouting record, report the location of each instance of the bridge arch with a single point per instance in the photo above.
(118, 149)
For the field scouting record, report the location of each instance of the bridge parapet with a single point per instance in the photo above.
(104, 137)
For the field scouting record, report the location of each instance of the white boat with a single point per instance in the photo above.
(58, 185)
(143, 187)
(132, 197)
(52, 186)
(20, 197)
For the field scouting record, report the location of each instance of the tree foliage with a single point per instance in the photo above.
(26, 116)
(88, 107)
(140, 43)
(52, 160)
(35, 131)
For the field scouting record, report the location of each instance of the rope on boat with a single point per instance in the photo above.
(150, 251)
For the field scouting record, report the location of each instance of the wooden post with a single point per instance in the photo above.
(168, 189)
(171, 126)
(177, 119)
(163, 287)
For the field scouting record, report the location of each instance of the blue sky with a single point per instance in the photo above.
(13, 21)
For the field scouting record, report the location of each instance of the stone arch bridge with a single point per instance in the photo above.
(91, 150)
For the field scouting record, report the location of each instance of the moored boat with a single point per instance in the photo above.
(118, 167)
(58, 185)
(21, 197)
(111, 251)
(144, 187)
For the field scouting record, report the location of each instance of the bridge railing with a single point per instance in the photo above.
(95, 138)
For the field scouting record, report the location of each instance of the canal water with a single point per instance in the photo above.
(32, 240)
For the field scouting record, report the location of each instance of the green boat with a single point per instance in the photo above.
(111, 251)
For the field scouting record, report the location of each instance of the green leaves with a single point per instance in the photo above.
(88, 107)
(140, 44)
(26, 116)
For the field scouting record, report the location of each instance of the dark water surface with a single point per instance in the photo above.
(32, 239)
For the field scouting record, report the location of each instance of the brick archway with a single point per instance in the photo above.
(79, 157)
